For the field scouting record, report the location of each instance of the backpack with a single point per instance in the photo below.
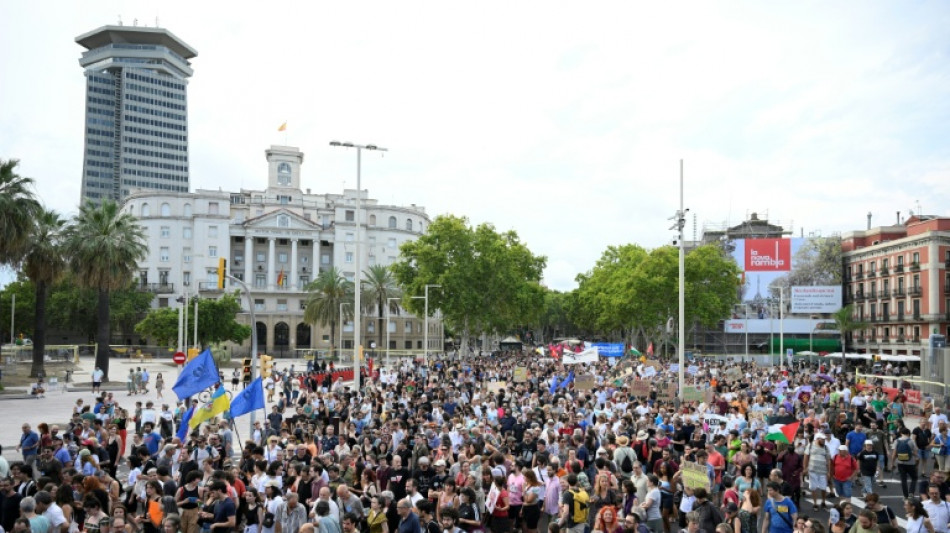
(579, 510)
(903, 450)
(626, 465)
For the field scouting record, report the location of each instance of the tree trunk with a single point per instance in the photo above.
(332, 338)
(379, 333)
(39, 330)
(102, 333)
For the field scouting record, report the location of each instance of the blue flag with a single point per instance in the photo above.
(554, 382)
(568, 380)
(199, 374)
(250, 399)
(183, 427)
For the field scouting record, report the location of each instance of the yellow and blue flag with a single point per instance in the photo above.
(219, 403)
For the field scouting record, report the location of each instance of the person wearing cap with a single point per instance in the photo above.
(844, 471)
(868, 463)
(818, 466)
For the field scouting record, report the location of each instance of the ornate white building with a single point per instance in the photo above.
(276, 240)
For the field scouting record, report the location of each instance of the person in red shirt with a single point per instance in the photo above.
(718, 463)
(844, 470)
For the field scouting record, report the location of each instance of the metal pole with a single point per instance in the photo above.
(196, 322)
(184, 329)
(359, 279)
(340, 349)
(388, 319)
(425, 336)
(12, 315)
(682, 289)
(746, 332)
(250, 309)
(781, 326)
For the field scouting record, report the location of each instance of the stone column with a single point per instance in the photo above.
(316, 259)
(249, 260)
(271, 263)
(292, 274)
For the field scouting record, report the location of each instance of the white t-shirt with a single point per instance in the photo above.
(935, 420)
(55, 515)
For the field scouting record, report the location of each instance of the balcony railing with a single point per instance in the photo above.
(914, 267)
(157, 288)
(859, 275)
(884, 272)
(915, 316)
(872, 273)
(859, 296)
(915, 340)
(899, 292)
(873, 318)
(914, 291)
(872, 294)
(899, 317)
(898, 269)
(900, 339)
(208, 286)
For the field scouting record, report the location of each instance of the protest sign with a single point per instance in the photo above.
(648, 372)
(584, 382)
(734, 373)
(695, 476)
(520, 375)
(640, 388)
(655, 364)
(692, 394)
(492, 499)
(708, 395)
(496, 386)
(692, 369)
(675, 367)
(666, 391)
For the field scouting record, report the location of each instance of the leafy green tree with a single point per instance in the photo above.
(23, 312)
(554, 319)
(216, 320)
(378, 286)
(160, 326)
(326, 293)
(104, 246)
(490, 281)
(44, 264)
(846, 324)
(18, 208)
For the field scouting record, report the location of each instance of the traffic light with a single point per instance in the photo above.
(222, 272)
(247, 370)
(267, 365)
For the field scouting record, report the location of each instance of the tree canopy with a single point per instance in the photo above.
(216, 322)
(489, 281)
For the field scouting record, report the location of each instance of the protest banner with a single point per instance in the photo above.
(655, 364)
(666, 391)
(495, 386)
(520, 375)
(692, 393)
(692, 369)
(492, 498)
(584, 382)
(648, 372)
(640, 388)
(734, 373)
(695, 476)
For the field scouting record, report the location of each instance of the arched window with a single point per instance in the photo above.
(392, 222)
(166, 210)
(145, 210)
(283, 174)
(187, 210)
(372, 220)
(409, 224)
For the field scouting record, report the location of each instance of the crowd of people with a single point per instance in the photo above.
(509, 443)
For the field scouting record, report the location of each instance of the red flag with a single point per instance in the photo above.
(790, 430)
(650, 350)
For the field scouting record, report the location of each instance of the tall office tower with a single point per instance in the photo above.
(136, 130)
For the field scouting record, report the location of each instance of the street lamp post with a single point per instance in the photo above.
(250, 309)
(746, 332)
(680, 223)
(340, 350)
(359, 273)
(425, 353)
(388, 315)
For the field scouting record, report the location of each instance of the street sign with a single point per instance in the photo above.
(179, 358)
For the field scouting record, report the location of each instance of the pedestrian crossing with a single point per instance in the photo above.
(858, 504)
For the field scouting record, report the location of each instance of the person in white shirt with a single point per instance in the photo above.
(935, 420)
(938, 510)
(52, 512)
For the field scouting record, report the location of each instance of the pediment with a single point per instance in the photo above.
(272, 221)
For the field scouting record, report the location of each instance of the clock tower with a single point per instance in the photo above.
(283, 167)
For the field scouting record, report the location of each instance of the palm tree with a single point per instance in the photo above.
(18, 207)
(44, 264)
(327, 292)
(104, 246)
(378, 287)
(845, 322)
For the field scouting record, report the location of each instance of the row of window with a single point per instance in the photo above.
(153, 164)
(156, 123)
(98, 153)
(101, 90)
(164, 176)
(859, 270)
(151, 90)
(154, 112)
(154, 101)
(105, 77)
(107, 122)
(100, 111)
(156, 154)
(166, 209)
(97, 163)
(158, 144)
(133, 75)
(102, 133)
(154, 133)
(97, 184)
(99, 142)
(108, 102)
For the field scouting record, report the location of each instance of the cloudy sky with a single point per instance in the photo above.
(563, 121)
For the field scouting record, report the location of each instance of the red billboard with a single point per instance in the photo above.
(768, 255)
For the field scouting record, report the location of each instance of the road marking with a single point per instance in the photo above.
(859, 504)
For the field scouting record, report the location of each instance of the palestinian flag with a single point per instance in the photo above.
(783, 432)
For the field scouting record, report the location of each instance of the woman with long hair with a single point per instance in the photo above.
(749, 511)
(153, 511)
(113, 444)
(188, 498)
(917, 518)
(531, 501)
(376, 519)
(159, 384)
(500, 521)
(448, 498)
(91, 486)
(601, 495)
(121, 421)
(628, 498)
(64, 499)
(253, 511)
(96, 520)
(607, 521)
(748, 480)
(120, 520)
(46, 438)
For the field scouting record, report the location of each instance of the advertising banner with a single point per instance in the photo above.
(791, 326)
(608, 349)
(821, 299)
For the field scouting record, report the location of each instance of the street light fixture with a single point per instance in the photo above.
(388, 314)
(359, 273)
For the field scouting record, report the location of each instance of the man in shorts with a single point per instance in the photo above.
(817, 464)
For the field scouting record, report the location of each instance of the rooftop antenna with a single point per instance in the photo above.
(156, 21)
(919, 212)
(135, 22)
(120, 20)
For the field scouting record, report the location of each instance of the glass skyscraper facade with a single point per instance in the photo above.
(136, 129)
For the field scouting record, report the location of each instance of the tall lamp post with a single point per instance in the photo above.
(425, 353)
(388, 314)
(250, 309)
(359, 273)
(680, 222)
(340, 351)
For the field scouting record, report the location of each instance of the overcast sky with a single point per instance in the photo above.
(563, 121)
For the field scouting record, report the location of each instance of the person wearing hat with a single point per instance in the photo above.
(844, 471)
(624, 457)
(818, 466)
(868, 463)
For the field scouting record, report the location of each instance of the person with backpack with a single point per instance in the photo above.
(709, 515)
(844, 471)
(904, 455)
(780, 511)
(624, 457)
(574, 505)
